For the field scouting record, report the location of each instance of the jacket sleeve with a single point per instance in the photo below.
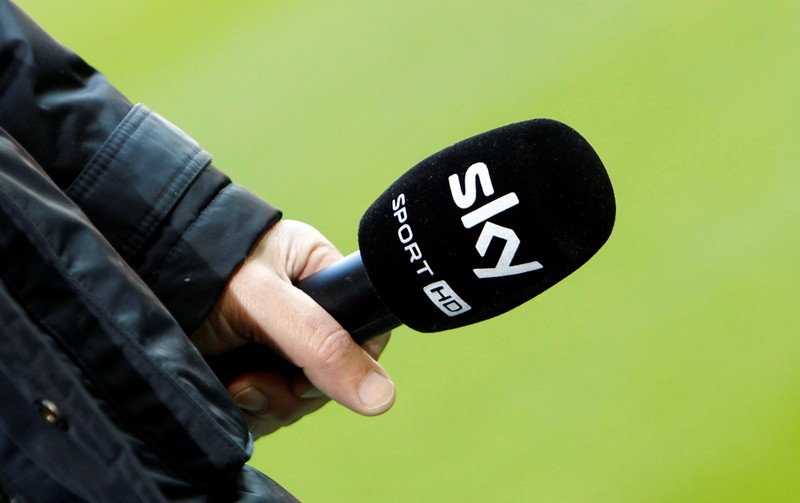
(150, 189)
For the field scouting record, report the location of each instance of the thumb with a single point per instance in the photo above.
(345, 372)
(293, 325)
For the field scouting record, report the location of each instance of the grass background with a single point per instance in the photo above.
(666, 369)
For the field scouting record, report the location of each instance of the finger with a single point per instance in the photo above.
(346, 372)
(297, 249)
(376, 345)
(295, 326)
(268, 403)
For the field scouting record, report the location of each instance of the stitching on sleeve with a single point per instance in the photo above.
(173, 250)
(104, 157)
(165, 200)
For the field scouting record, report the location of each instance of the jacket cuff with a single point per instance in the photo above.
(179, 222)
(195, 270)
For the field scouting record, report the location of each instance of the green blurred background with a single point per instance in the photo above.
(666, 369)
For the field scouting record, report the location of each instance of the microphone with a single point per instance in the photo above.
(471, 232)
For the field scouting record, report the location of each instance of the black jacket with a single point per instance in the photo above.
(116, 237)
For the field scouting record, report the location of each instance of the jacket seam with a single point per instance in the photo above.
(52, 333)
(174, 248)
(199, 160)
(100, 309)
(107, 154)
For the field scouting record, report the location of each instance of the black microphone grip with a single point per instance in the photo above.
(343, 289)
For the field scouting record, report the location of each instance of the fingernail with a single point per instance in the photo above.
(375, 391)
(251, 399)
(312, 392)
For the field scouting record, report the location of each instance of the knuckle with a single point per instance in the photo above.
(333, 347)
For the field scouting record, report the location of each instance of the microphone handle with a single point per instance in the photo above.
(343, 289)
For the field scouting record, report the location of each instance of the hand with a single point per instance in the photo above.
(261, 305)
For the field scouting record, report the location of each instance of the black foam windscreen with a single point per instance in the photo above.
(486, 224)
